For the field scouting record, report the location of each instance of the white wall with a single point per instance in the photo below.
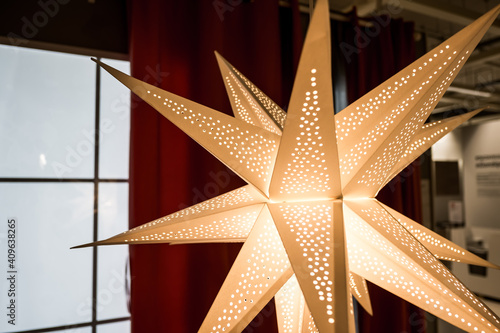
(482, 205)
(482, 212)
(482, 202)
(449, 148)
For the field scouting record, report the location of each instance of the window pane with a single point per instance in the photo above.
(112, 260)
(47, 112)
(54, 283)
(120, 327)
(114, 123)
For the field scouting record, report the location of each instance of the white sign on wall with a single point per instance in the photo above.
(487, 170)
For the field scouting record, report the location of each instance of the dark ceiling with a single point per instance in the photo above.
(90, 24)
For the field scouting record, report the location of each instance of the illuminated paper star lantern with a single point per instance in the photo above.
(312, 229)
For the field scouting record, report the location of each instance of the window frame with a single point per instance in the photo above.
(95, 180)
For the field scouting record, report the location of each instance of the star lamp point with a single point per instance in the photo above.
(312, 229)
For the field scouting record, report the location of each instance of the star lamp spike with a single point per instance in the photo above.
(307, 162)
(308, 210)
(439, 246)
(313, 236)
(248, 150)
(248, 102)
(359, 290)
(386, 254)
(428, 135)
(290, 307)
(228, 217)
(309, 326)
(425, 138)
(274, 112)
(365, 163)
(358, 285)
(228, 227)
(258, 273)
(292, 312)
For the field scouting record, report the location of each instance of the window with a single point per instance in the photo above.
(64, 186)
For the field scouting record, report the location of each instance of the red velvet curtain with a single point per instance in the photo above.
(171, 46)
(371, 54)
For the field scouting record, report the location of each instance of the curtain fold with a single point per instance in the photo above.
(172, 46)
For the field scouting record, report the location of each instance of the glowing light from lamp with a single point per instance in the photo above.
(312, 229)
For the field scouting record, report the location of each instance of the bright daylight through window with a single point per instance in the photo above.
(60, 186)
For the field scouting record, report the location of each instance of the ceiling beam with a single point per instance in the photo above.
(458, 103)
(445, 12)
(432, 8)
(481, 57)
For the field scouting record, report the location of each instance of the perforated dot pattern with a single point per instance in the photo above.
(424, 140)
(243, 196)
(253, 150)
(312, 227)
(261, 262)
(394, 149)
(375, 132)
(272, 109)
(240, 108)
(408, 279)
(308, 170)
(372, 136)
(290, 307)
(432, 242)
(235, 225)
(355, 289)
(310, 325)
(439, 246)
(238, 92)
